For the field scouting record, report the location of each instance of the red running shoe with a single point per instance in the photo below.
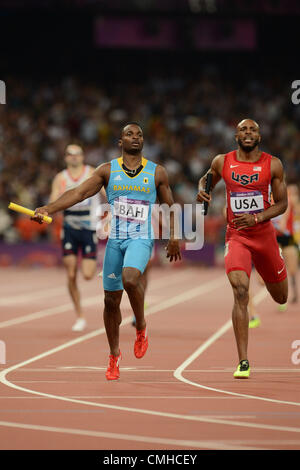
(141, 343)
(113, 372)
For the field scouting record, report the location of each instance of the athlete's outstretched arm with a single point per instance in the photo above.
(165, 196)
(88, 188)
(216, 171)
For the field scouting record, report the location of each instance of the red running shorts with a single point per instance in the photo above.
(256, 247)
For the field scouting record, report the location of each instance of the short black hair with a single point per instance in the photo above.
(131, 123)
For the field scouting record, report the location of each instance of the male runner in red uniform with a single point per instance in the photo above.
(284, 227)
(250, 176)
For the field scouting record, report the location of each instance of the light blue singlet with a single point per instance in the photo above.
(131, 238)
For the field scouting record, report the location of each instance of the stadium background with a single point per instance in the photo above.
(187, 71)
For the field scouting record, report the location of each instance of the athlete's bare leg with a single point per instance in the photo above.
(253, 313)
(278, 291)
(145, 277)
(70, 263)
(290, 254)
(240, 318)
(134, 284)
(144, 280)
(112, 319)
(251, 308)
(295, 289)
(88, 268)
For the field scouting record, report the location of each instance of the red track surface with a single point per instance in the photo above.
(181, 395)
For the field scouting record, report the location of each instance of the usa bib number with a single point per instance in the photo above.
(131, 210)
(248, 201)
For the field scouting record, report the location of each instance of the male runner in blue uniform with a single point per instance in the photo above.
(132, 185)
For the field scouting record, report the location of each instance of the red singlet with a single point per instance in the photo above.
(289, 229)
(248, 190)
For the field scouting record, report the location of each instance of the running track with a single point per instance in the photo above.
(181, 395)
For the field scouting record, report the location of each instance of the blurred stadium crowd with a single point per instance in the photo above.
(187, 120)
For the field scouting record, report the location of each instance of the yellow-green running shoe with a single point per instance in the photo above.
(282, 307)
(243, 370)
(254, 322)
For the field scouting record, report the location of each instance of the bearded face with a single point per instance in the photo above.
(248, 136)
(248, 144)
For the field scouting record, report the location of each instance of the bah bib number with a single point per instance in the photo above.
(131, 210)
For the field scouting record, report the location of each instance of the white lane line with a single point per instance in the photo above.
(171, 302)
(128, 437)
(161, 414)
(167, 280)
(188, 295)
(141, 397)
(49, 311)
(274, 444)
(175, 300)
(179, 371)
(48, 381)
(31, 296)
(97, 369)
(26, 279)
